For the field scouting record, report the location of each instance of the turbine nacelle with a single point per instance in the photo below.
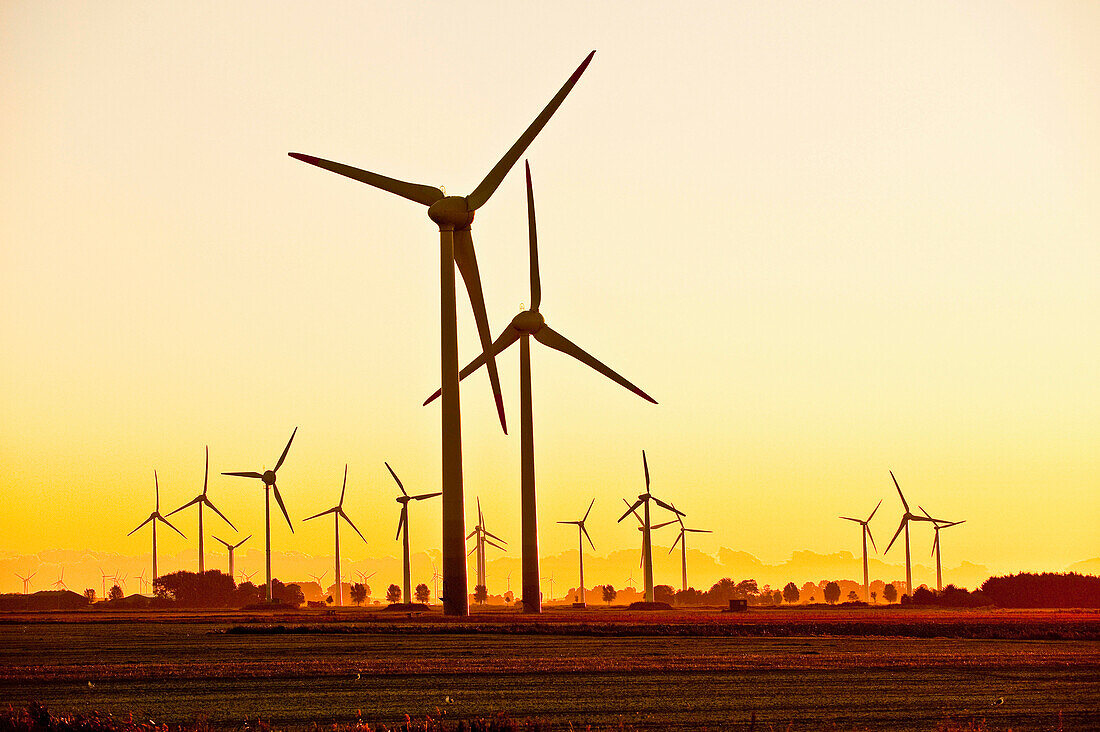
(528, 322)
(451, 213)
(268, 478)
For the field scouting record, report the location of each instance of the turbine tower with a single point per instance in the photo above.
(337, 512)
(232, 548)
(453, 215)
(526, 324)
(202, 500)
(483, 537)
(582, 534)
(647, 544)
(268, 477)
(682, 539)
(866, 533)
(939, 524)
(26, 580)
(403, 524)
(153, 518)
(905, 519)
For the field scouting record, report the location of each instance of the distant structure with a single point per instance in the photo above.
(582, 534)
(644, 500)
(905, 519)
(268, 477)
(681, 539)
(940, 524)
(481, 537)
(26, 580)
(866, 533)
(202, 500)
(232, 548)
(641, 538)
(153, 518)
(453, 215)
(337, 512)
(143, 583)
(403, 529)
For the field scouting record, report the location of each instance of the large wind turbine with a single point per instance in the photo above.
(202, 500)
(453, 215)
(682, 539)
(26, 580)
(268, 477)
(481, 536)
(232, 548)
(647, 544)
(905, 519)
(866, 533)
(403, 524)
(582, 534)
(526, 324)
(939, 524)
(641, 531)
(337, 512)
(153, 518)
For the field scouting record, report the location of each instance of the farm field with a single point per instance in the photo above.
(811, 668)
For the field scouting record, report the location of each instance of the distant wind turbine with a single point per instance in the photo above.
(940, 524)
(905, 519)
(202, 500)
(482, 536)
(643, 501)
(641, 530)
(527, 324)
(582, 534)
(337, 512)
(60, 583)
(454, 215)
(681, 538)
(26, 580)
(403, 524)
(866, 533)
(247, 576)
(153, 518)
(142, 582)
(268, 477)
(232, 548)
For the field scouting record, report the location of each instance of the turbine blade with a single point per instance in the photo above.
(876, 509)
(357, 531)
(285, 451)
(214, 508)
(141, 524)
(397, 479)
(550, 337)
(317, 515)
(206, 472)
(467, 553)
(401, 521)
(223, 541)
(172, 527)
(848, 518)
(700, 531)
(422, 194)
(585, 532)
(868, 530)
(156, 487)
(242, 541)
(935, 543)
(279, 498)
(422, 496)
(896, 533)
(532, 236)
(486, 188)
(192, 502)
(630, 510)
(926, 513)
(480, 517)
(590, 505)
(471, 534)
(903, 501)
(661, 526)
(466, 260)
(678, 537)
(495, 545)
(345, 486)
(645, 465)
(246, 474)
(506, 338)
(669, 507)
(489, 533)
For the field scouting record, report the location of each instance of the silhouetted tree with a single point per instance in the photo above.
(481, 594)
(90, 594)
(721, 592)
(874, 597)
(832, 592)
(115, 593)
(746, 590)
(609, 594)
(790, 593)
(890, 593)
(393, 594)
(191, 589)
(664, 593)
(423, 593)
(852, 596)
(358, 593)
(1049, 589)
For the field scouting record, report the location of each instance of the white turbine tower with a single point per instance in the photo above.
(337, 512)
(865, 531)
(202, 500)
(153, 518)
(647, 544)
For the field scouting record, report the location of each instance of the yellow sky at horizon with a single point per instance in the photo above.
(829, 241)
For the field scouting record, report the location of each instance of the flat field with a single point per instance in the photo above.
(803, 668)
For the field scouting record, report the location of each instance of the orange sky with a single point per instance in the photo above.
(829, 240)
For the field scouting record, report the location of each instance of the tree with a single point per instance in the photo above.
(358, 593)
(722, 591)
(393, 594)
(746, 589)
(89, 594)
(874, 598)
(115, 593)
(609, 594)
(481, 594)
(890, 593)
(832, 592)
(852, 596)
(790, 593)
(191, 589)
(423, 593)
(664, 593)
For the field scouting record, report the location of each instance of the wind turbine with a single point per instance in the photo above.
(582, 534)
(453, 215)
(337, 512)
(232, 548)
(153, 518)
(403, 523)
(939, 524)
(249, 575)
(550, 580)
(526, 324)
(866, 533)
(268, 477)
(682, 539)
(484, 536)
(26, 580)
(202, 500)
(647, 544)
(905, 519)
(641, 531)
(142, 582)
(103, 577)
(320, 580)
(60, 583)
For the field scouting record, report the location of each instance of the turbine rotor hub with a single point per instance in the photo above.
(529, 322)
(269, 477)
(451, 213)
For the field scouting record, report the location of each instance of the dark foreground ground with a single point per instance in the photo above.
(834, 670)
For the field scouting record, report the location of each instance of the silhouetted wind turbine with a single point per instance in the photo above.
(26, 580)
(337, 512)
(153, 518)
(268, 477)
(202, 500)
(249, 575)
(644, 500)
(403, 524)
(232, 548)
(320, 580)
(483, 537)
(453, 215)
(550, 580)
(682, 539)
(582, 534)
(60, 583)
(866, 533)
(526, 324)
(939, 524)
(905, 519)
(142, 582)
(641, 530)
